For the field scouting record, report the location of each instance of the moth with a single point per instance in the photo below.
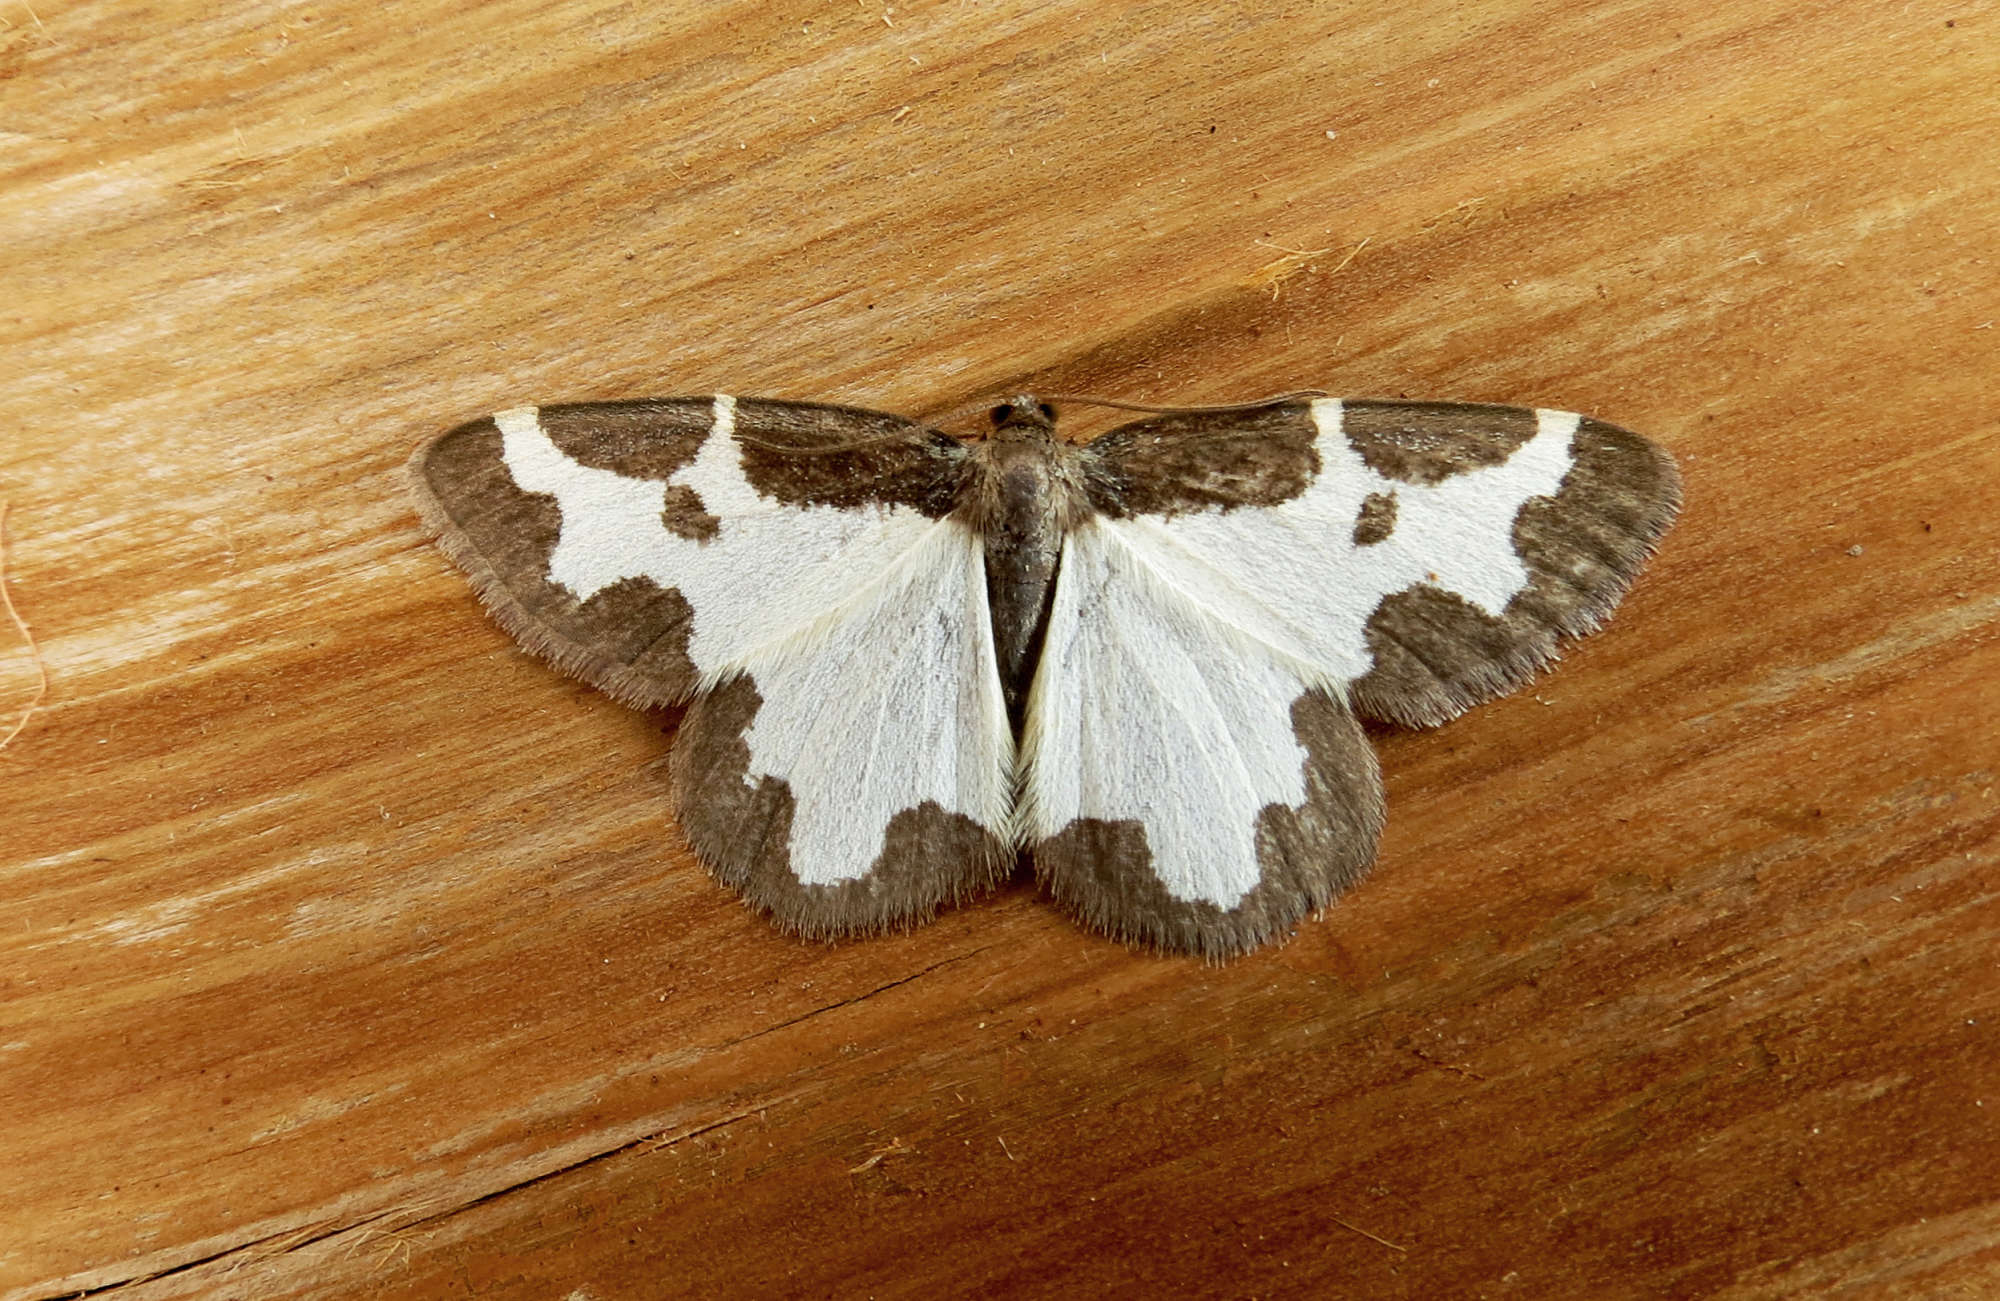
(909, 659)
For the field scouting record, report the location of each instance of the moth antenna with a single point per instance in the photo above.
(980, 406)
(821, 449)
(1089, 401)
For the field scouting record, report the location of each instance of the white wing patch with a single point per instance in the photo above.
(768, 571)
(1177, 645)
(888, 701)
(866, 632)
(1148, 707)
(1292, 576)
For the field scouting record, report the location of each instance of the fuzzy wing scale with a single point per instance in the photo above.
(1186, 786)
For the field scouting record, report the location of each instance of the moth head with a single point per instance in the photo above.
(1024, 416)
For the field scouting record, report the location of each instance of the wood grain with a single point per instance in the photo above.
(349, 952)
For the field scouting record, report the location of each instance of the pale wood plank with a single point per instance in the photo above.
(350, 952)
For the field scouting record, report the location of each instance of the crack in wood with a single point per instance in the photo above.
(241, 1249)
(257, 1250)
(849, 1002)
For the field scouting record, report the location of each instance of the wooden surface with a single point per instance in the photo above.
(349, 952)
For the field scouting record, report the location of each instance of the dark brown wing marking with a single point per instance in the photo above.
(930, 857)
(629, 640)
(1167, 465)
(809, 454)
(1437, 655)
(1102, 872)
(1426, 442)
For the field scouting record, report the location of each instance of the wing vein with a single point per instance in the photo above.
(1308, 672)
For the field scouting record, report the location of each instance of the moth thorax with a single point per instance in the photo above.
(1029, 487)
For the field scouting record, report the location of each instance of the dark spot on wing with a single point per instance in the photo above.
(1376, 520)
(683, 514)
(647, 439)
(639, 627)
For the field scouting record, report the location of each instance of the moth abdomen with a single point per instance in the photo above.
(1025, 500)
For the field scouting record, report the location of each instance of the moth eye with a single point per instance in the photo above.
(1002, 412)
(1048, 412)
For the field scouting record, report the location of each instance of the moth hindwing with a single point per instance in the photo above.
(1139, 660)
